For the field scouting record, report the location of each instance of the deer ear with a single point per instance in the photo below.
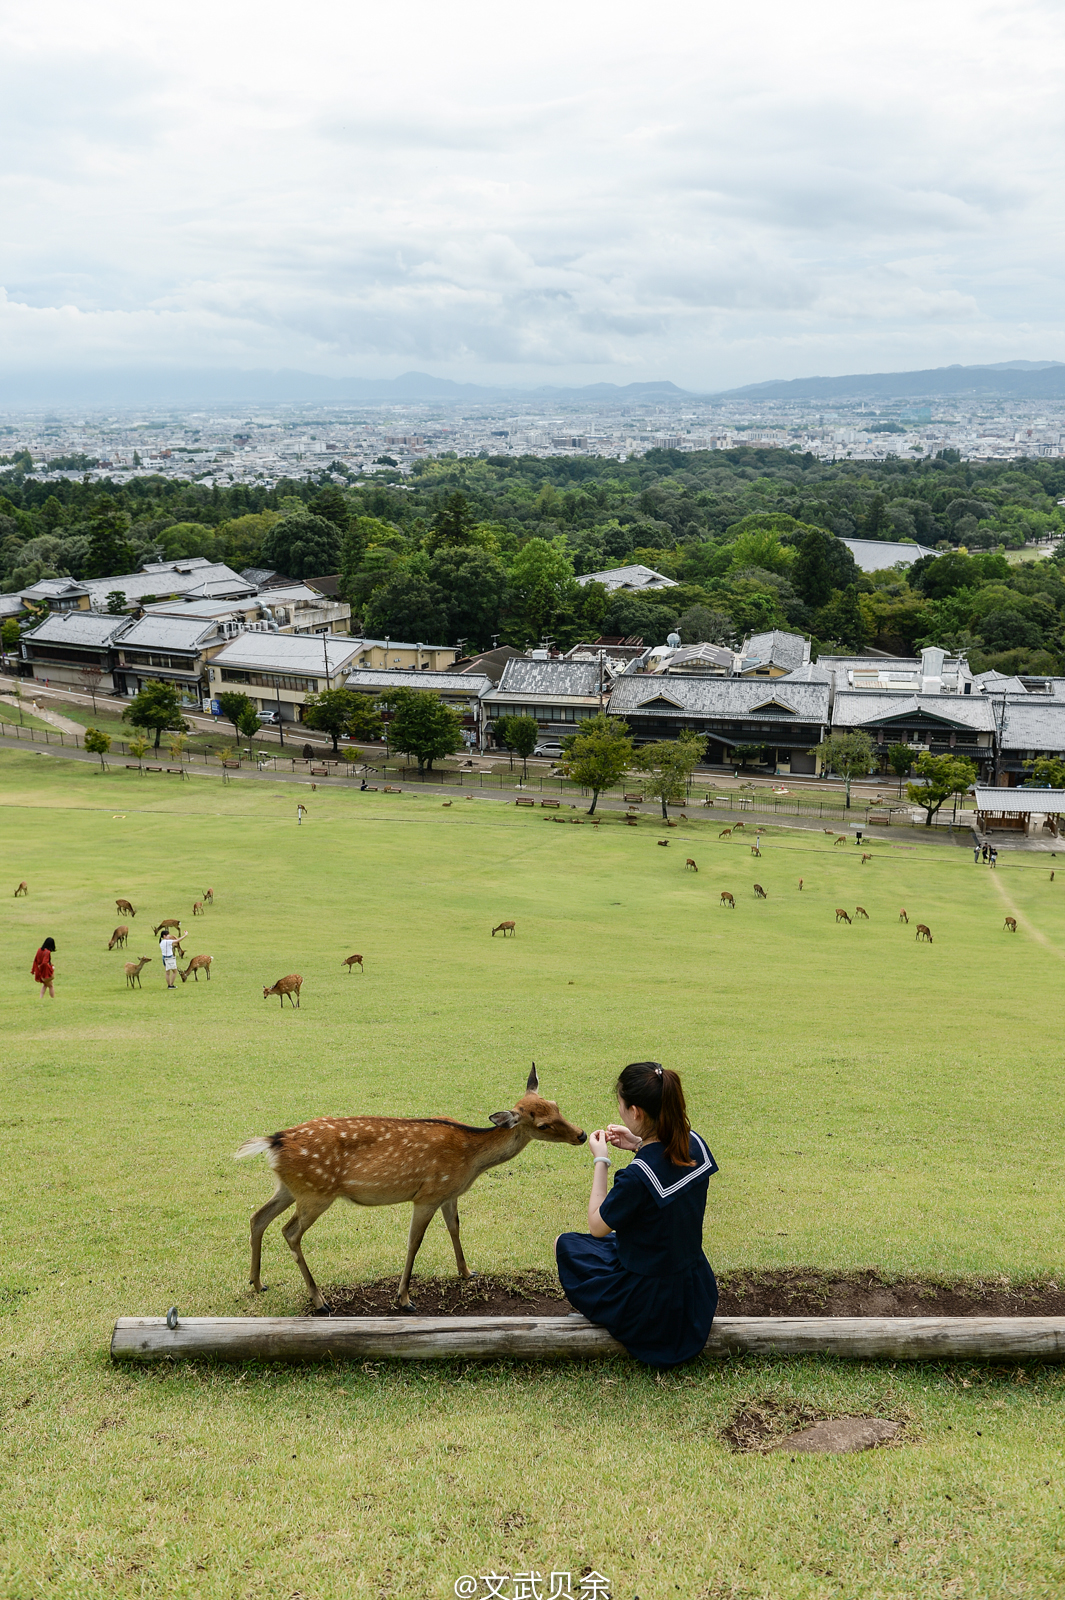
(504, 1119)
(533, 1085)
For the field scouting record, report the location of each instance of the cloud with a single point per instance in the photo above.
(578, 194)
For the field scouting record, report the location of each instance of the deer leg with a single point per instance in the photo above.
(309, 1208)
(420, 1220)
(259, 1224)
(450, 1213)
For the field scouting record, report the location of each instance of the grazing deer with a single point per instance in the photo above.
(841, 838)
(736, 826)
(120, 935)
(286, 986)
(903, 917)
(504, 928)
(760, 892)
(208, 897)
(1011, 924)
(860, 911)
(24, 888)
(923, 929)
(726, 833)
(197, 965)
(755, 851)
(727, 899)
(124, 908)
(690, 863)
(800, 883)
(352, 961)
(133, 972)
(168, 922)
(841, 916)
(197, 909)
(388, 1161)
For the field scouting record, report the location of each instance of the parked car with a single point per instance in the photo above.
(272, 718)
(549, 748)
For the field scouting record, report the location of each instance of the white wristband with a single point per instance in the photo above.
(596, 1160)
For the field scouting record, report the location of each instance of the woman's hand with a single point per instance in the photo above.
(621, 1137)
(597, 1142)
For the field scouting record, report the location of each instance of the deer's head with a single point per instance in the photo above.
(539, 1118)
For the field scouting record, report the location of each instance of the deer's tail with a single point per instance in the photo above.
(254, 1147)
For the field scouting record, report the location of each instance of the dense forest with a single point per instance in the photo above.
(474, 549)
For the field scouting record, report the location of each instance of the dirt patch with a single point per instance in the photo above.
(789, 1292)
(763, 1425)
(799, 1292)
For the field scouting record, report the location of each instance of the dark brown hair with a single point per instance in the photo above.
(657, 1091)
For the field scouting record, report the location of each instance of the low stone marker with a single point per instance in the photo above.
(841, 1433)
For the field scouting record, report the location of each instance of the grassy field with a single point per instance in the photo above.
(870, 1100)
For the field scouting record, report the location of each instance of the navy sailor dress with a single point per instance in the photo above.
(649, 1283)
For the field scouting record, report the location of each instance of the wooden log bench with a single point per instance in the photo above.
(231, 763)
(633, 799)
(879, 819)
(524, 802)
(554, 804)
(319, 772)
(390, 790)
(416, 1338)
(131, 766)
(159, 769)
(178, 772)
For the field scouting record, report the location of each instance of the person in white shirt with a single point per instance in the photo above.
(166, 950)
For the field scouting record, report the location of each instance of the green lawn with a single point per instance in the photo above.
(871, 1101)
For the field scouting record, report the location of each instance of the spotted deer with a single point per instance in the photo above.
(352, 961)
(124, 908)
(197, 909)
(134, 970)
(286, 986)
(168, 922)
(23, 888)
(197, 965)
(727, 899)
(760, 892)
(841, 838)
(726, 833)
(903, 916)
(860, 911)
(842, 916)
(208, 897)
(120, 936)
(690, 863)
(1011, 924)
(429, 1162)
(923, 932)
(504, 928)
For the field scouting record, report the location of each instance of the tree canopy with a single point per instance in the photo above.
(422, 726)
(598, 755)
(157, 706)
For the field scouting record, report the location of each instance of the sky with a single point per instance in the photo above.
(565, 193)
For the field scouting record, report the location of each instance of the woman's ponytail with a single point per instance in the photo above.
(657, 1091)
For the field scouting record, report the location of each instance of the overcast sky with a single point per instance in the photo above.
(715, 194)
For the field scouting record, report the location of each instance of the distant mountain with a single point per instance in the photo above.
(130, 386)
(1021, 380)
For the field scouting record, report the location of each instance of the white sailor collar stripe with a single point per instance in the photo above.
(704, 1167)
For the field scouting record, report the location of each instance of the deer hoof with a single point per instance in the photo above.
(322, 1311)
(409, 1310)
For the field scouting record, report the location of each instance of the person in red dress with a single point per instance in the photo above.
(42, 969)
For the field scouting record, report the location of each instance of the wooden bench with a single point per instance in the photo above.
(178, 772)
(525, 802)
(879, 819)
(224, 763)
(633, 799)
(390, 790)
(319, 772)
(131, 766)
(159, 769)
(371, 788)
(554, 804)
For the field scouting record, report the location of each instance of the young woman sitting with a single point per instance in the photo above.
(641, 1272)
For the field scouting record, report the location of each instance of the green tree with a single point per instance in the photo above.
(520, 735)
(330, 504)
(842, 619)
(699, 625)
(158, 706)
(237, 708)
(823, 563)
(138, 748)
(10, 634)
(900, 758)
(365, 721)
(99, 744)
(474, 585)
(116, 602)
(943, 776)
(410, 606)
(669, 765)
(1047, 772)
(422, 726)
(598, 755)
(541, 581)
(451, 524)
(302, 546)
(331, 712)
(849, 755)
(747, 752)
(110, 551)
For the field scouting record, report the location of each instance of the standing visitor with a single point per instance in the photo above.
(640, 1272)
(976, 854)
(166, 950)
(43, 970)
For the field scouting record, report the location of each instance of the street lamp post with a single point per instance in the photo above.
(280, 718)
